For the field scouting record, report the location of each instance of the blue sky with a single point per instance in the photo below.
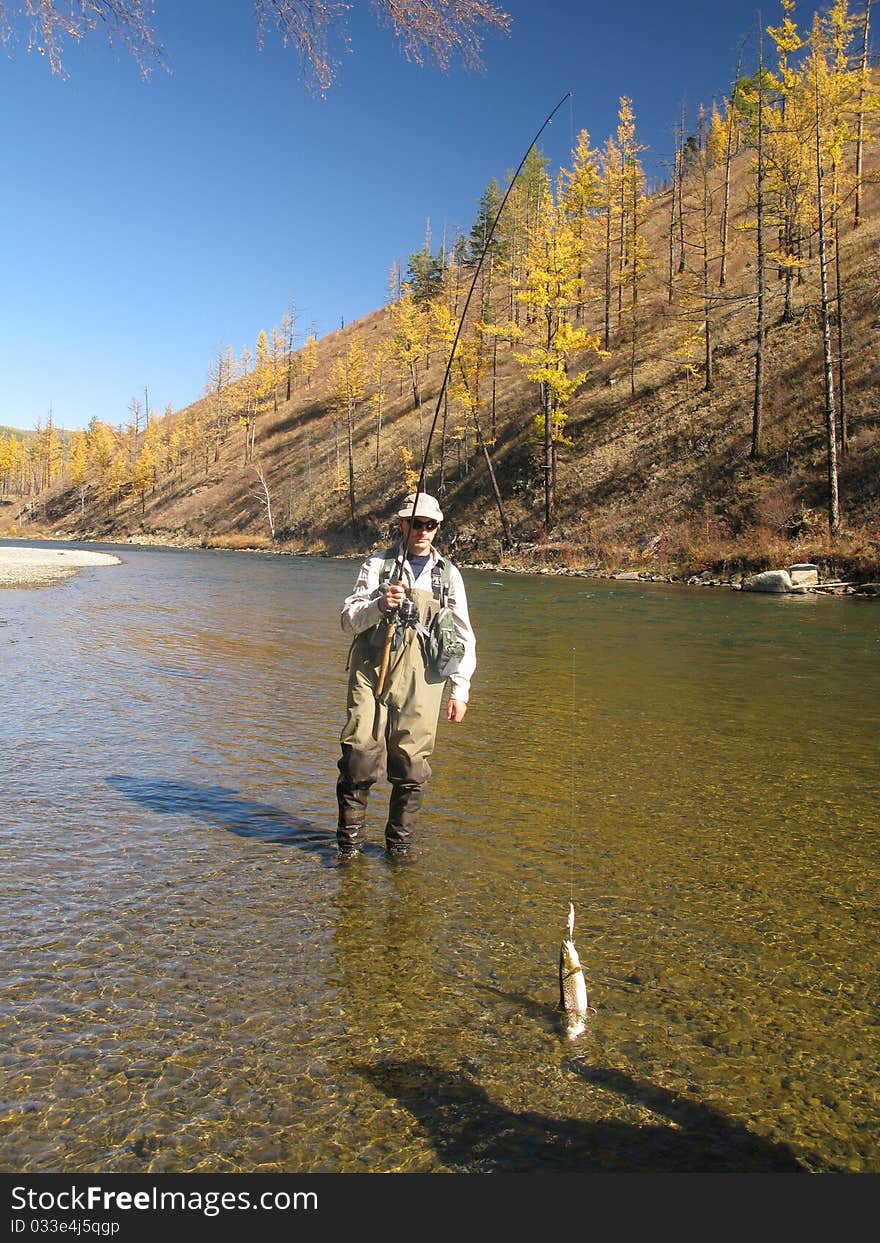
(145, 223)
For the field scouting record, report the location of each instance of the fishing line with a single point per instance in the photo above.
(572, 767)
(420, 486)
(400, 560)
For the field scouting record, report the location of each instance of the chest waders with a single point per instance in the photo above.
(392, 735)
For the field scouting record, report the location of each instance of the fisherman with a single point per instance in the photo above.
(393, 712)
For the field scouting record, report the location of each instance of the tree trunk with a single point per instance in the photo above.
(621, 256)
(680, 162)
(728, 158)
(417, 398)
(351, 462)
(494, 418)
(309, 469)
(548, 458)
(760, 331)
(267, 499)
(607, 333)
(709, 382)
(828, 369)
(841, 362)
(506, 540)
(788, 271)
(634, 259)
(669, 277)
(443, 423)
(860, 131)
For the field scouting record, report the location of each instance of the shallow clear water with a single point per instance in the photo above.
(190, 983)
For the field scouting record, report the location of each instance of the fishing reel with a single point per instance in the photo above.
(407, 613)
(405, 616)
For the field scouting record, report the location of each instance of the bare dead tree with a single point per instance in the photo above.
(266, 498)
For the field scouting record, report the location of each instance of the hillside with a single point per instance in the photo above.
(657, 476)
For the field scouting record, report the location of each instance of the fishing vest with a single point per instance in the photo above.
(442, 649)
(441, 577)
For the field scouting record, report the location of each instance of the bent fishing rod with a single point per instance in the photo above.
(400, 560)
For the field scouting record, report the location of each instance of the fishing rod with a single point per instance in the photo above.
(400, 560)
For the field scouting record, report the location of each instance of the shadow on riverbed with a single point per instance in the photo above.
(472, 1133)
(226, 809)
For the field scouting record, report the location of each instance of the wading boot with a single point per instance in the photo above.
(403, 808)
(351, 832)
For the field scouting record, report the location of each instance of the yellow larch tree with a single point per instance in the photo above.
(582, 198)
(409, 323)
(263, 383)
(79, 459)
(51, 451)
(787, 152)
(100, 446)
(380, 359)
(549, 290)
(348, 380)
(466, 385)
(221, 375)
(276, 362)
(443, 317)
(143, 476)
(246, 391)
(697, 302)
(410, 476)
(308, 358)
(846, 101)
(118, 475)
(609, 165)
(10, 452)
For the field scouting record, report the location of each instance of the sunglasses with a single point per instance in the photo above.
(424, 524)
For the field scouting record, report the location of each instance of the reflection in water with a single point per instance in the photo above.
(191, 985)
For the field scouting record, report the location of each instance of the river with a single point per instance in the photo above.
(192, 983)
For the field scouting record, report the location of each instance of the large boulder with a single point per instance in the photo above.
(778, 581)
(805, 574)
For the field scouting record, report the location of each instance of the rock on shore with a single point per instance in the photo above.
(40, 567)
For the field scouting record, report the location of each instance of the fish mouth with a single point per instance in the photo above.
(575, 1025)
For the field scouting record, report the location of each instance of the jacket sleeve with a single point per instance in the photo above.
(361, 609)
(460, 682)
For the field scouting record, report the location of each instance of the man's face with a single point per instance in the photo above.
(424, 531)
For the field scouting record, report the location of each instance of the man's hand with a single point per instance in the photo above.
(455, 710)
(395, 594)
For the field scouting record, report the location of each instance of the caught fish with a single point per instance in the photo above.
(573, 998)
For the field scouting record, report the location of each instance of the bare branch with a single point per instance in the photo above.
(50, 24)
(428, 30)
(437, 30)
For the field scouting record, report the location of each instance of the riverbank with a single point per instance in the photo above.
(779, 582)
(41, 567)
(37, 567)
